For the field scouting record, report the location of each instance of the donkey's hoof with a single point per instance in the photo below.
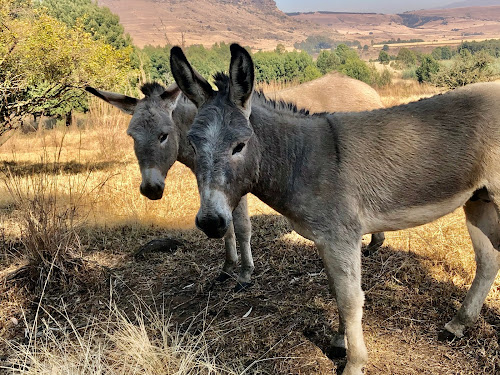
(224, 276)
(335, 352)
(242, 286)
(446, 335)
(368, 251)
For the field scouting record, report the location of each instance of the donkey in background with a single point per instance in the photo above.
(339, 176)
(159, 125)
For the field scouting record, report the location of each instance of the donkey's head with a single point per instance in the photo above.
(156, 136)
(227, 155)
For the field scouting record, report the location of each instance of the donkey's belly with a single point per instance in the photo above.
(402, 218)
(302, 230)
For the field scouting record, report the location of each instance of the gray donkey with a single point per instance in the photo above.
(159, 126)
(339, 176)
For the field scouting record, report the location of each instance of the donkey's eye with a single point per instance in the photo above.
(163, 137)
(238, 148)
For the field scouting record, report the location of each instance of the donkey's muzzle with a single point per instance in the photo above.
(152, 191)
(153, 183)
(214, 226)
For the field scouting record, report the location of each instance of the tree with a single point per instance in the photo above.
(327, 61)
(45, 64)
(383, 57)
(345, 53)
(446, 53)
(358, 69)
(385, 48)
(427, 69)
(311, 72)
(407, 57)
(99, 21)
(280, 48)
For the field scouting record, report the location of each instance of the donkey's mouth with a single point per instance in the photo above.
(152, 192)
(212, 227)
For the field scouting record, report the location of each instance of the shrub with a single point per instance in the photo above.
(427, 69)
(466, 69)
(383, 57)
(407, 57)
(327, 61)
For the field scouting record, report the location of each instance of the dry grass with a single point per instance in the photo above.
(144, 343)
(168, 317)
(405, 91)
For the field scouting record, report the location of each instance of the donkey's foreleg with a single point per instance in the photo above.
(484, 229)
(231, 260)
(243, 231)
(339, 344)
(342, 261)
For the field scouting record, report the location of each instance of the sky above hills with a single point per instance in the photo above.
(378, 6)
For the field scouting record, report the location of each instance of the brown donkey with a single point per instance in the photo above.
(159, 125)
(339, 176)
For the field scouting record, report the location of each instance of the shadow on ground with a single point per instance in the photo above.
(23, 169)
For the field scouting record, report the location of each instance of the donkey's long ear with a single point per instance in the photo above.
(125, 103)
(241, 74)
(192, 84)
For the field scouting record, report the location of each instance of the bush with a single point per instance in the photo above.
(427, 69)
(327, 61)
(383, 57)
(409, 73)
(466, 69)
(407, 57)
(381, 79)
(358, 69)
(442, 53)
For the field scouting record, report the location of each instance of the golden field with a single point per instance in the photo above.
(162, 314)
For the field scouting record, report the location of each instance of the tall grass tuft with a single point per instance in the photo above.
(50, 207)
(146, 343)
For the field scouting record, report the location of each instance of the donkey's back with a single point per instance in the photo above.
(414, 162)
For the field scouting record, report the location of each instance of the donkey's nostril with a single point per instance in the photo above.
(222, 222)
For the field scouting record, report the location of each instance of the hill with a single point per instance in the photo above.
(454, 24)
(261, 25)
(472, 3)
(334, 92)
(258, 23)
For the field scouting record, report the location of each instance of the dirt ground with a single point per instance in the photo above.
(291, 310)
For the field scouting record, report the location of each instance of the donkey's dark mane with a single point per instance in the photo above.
(222, 81)
(152, 89)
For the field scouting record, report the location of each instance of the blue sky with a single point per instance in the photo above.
(379, 6)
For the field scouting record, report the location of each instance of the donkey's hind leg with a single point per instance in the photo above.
(484, 229)
(375, 243)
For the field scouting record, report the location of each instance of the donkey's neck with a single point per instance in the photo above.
(287, 143)
(183, 116)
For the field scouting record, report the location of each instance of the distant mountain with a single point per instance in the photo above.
(471, 3)
(256, 23)
(261, 25)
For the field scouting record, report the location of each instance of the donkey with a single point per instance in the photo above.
(339, 176)
(159, 125)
